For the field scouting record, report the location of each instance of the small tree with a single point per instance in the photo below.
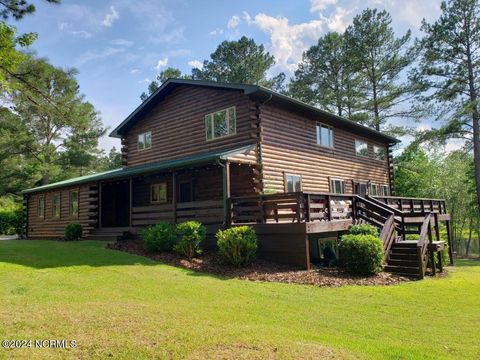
(191, 233)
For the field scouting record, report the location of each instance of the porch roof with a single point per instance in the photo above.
(197, 159)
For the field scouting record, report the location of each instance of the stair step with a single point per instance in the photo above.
(405, 244)
(403, 262)
(401, 269)
(102, 237)
(403, 250)
(403, 256)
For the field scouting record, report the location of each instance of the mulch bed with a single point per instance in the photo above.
(261, 270)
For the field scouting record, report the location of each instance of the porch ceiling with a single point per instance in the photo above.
(197, 159)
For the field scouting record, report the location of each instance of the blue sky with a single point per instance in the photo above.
(119, 46)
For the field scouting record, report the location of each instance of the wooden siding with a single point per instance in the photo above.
(51, 227)
(178, 125)
(290, 146)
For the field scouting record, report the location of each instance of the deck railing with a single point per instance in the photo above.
(414, 205)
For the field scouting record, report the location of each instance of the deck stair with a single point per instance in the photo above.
(403, 259)
(110, 233)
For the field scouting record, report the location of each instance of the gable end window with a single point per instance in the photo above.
(221, 123)
(56, 206)
(144, 140)
(293, 183)
(73, 203)
(324, 135)
(361, 148)
(158, 193)
(41, 206)
(378, 152)
(337, 186)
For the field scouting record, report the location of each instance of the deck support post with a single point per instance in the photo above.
(174, 196)
(226, 192)
(99, 205)
(450, 242)
(130, 199)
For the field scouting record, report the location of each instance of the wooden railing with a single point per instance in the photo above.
(388, 235)
(422, 245)
(414, 205)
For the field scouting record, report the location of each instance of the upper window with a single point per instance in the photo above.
(144, 140)
(361, 148)
(293, 183)
(378, 152)
(74, 203)
(158, 193)
(221, 123)
(56, 206)
(41, 206)
(337, 186)
(324, 135)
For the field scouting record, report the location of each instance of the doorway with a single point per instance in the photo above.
(115, 204)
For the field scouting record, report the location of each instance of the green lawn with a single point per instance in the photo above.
(122, 306)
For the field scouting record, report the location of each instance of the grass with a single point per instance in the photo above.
(122, 306)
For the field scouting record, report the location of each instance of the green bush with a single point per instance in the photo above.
(237, 245)
(361, 254)
(161, 237)
(363, 229)
(11, 221)
(191, 233)
(73, 231)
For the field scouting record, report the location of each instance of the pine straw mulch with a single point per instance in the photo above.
(261, 270)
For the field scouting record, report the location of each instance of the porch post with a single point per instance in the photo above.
(130, 200)
(226, 192)
(174, 196)
(99, 205)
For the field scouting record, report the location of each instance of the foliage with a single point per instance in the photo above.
(361, 254)
(237, 245)
(191, 234)
(161, 237)
(241, 61)
(450, 74)
(11, 220)
(18, 8)
(168, 73)
(73, 231)
(363, 229)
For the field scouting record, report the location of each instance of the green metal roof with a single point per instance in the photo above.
(197, 159)
(254, 91)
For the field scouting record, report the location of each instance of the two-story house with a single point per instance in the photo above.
(227, 154)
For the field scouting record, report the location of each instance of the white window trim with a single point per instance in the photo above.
(42, 216)
(70, 203)
(318, 130)
(332, 188)
(210, 119)
(144, 134)
(292, 175)
(166, 193)
(59, 206)
(373, 184)
(356, 153)
(375, 154)
(384, 186)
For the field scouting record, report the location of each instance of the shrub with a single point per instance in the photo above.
(361, 254)
(161, 237)
(363, 229)
(237, 245)
(73, 231)
(11, 221)
(191, 233)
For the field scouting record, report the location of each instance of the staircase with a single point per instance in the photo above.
(403, 259)
(110, 233)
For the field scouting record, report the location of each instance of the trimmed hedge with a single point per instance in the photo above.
(161, 237)
(191, 234)
(361, 254)
(363, 229)
(237, 245)
(73, 231)
(11, 221)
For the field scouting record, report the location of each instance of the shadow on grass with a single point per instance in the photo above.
(42, 254)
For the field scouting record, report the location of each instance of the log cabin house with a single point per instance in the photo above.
(231, 154)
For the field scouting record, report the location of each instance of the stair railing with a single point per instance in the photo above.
(422, 245)
(388, 236)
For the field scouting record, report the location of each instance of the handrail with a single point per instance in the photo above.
(422, 244)
(408, 198)
(385, 206)
(387, 235)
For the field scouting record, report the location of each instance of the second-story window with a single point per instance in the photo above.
(361, 148)
(378, 152)
(221, 123)
(293, 183)
(144, 140)
(324, 135)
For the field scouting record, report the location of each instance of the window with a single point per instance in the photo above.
(74, 203)
(374, 189)
(384, 190)
(293, 183)
(220, 123)
(361, 148)
(144, 141)
(324, 135)
(378, 152)
(158, 193)
(337, 186)
(185, 191)
(361, 188)
(56, 206)
(41, 206)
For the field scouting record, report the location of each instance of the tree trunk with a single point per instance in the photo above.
(469, 241)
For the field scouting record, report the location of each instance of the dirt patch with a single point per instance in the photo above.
(261, 270)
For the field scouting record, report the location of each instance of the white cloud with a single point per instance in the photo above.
(122, 42)
(195, 64)
(146, 81)
(320, 5)
(63, 25)
(82, 33)
(110, 17)
(217, 31)
(247, 18)
(134, 71)
(339, 19)
(161, 64)
(233, 22)
(97, 55)
(173, 36)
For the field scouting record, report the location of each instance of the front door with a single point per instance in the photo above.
(185, 191)
(115, 204)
